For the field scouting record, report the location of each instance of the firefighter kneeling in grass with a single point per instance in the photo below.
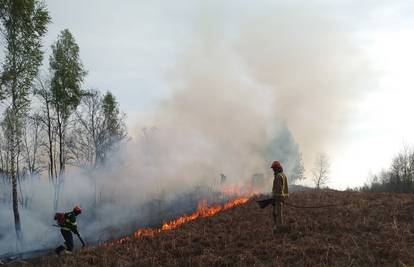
(67, 224)
(280, 193)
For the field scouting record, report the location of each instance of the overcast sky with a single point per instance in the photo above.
(132, 47)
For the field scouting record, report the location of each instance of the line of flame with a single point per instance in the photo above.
(203, 210)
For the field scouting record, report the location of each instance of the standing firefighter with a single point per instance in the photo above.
(67, 223)
(280, 194)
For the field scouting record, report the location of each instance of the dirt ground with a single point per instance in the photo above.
(365, 229)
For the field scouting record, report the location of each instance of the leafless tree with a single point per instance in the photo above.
(32, 141)
(47, 117)
(398, 178)
(85, 139)
(50, 130)
(320, 171)
(97, 129)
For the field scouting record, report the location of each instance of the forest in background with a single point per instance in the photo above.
(398, 178)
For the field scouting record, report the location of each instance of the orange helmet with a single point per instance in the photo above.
(77, 210)
(276, 165)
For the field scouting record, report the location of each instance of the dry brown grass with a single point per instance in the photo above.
(371, 230)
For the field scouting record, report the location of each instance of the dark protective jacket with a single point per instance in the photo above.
(69, 222)
(280, 189)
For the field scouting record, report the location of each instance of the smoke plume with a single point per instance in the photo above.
(247, 72)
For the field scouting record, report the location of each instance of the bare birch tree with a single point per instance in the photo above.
(320, 171)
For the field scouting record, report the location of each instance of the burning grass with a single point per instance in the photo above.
(203, 210)
(365, 230)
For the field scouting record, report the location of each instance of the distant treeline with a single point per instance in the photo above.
(398, 178)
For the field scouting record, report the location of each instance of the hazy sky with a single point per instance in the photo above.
(132, 48)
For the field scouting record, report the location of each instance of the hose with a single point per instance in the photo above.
(315, 207)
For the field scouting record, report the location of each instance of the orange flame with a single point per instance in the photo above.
(203, 210)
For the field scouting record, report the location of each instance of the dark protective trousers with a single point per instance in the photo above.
(277, 214)
(67, 236)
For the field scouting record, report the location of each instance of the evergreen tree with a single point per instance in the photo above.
(284, 148)
(114, 129)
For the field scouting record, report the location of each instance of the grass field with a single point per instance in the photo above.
(365, 229)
